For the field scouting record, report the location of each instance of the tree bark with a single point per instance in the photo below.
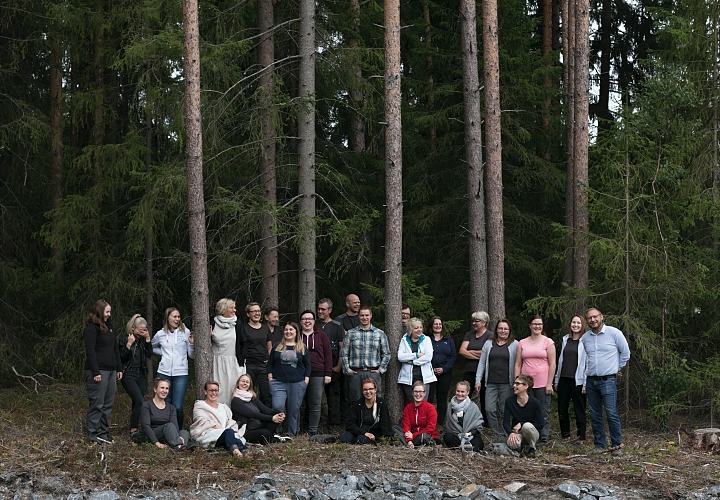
(306, 157)
(568, 47)
(547, 41)
(477, 249)
(431, 82)
(357, 141)
(266, 167)
(493, 147)
(56, 147)
(149, 239)
(580, 150)
(393, 199)
(99, 116)
(196, 199)
(605, 117)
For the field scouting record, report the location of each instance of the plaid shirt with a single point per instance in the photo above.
(365, 349)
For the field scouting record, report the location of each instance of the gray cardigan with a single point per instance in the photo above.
(484, 367)
(472, 420)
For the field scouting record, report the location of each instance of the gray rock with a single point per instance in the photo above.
(265, 479)
(375, 495)
(424, 479)
(104, 495)
(598, 490)
(265, 495)
(422, 493)
(451, 494)
(328, 478)
(338, 491)
(713, 491)
(480, 490)
(369, 482)
(300, 494)
(352, 482)
(586, 496)
(611, 497)
(497, 495)
(405, 488)
(569, 490)
(436, 494)
(515, 487)
(345, 473)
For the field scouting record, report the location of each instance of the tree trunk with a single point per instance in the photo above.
(56, 147)
(393, 200)
(473, 156)
(196, 198)
(580, 150)
(149, 275)
(99, 122)
(357, 141)
(431, 82)
(605, 117)
(493, 147)
(547, 34)
(266, 167)
(568, 47)
(306, 157)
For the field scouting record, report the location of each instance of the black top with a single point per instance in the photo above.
(570, 358)
(358, 422)
(253, 413)
(101, 349)
(516, 414)
(348, 322)
(152, 417)
(499, 364)
(253, 344)
(335, 333)
(475, 344)
(136, 356)
(417, 369)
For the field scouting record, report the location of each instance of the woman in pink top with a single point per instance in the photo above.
(536, 357)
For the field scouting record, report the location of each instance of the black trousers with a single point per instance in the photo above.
(567, 391)
(262, 435)
(453, 441)
(258, 374)
(133, 382)
(440, 390)
(332, 394)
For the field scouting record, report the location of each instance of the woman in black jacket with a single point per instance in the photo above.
(135, 349)
(247, 409)
(102, 370)
(369, 418)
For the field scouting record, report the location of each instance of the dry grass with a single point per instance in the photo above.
(42, 435)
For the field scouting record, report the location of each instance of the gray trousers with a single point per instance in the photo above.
(545, 400)
(495, 396)
(529, 434)
(313, 400)
(167, 434)
(355, 383)
(102, 396)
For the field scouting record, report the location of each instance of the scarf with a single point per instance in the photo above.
(242, 395)
(224, 322)
(459, 407)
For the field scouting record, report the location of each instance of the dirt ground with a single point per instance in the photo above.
(41, 435)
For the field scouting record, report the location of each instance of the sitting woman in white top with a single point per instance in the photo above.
(158, 421)
(213, 424)
(464, 421)
(524, 417)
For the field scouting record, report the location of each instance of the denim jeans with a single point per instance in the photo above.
(495, 396)
(604, 393)
(228, 441)
(545, 400)
(134, 383)
(290, 393)
(101, 396)
(176, 396)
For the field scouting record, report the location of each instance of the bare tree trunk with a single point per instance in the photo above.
(196, 199)
(393, 199)
(477, 249)
(99, 125)
(266, 169)
(568, 47)
(605, 118)
(493, 147)
(547, 34)
(627, 272)
(580, 153)
(306, 157)
(716, 97)
(56, 146)
(431, 82)
(149, 275)
(357, 142)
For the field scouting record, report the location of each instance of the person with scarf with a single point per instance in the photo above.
(369, 417)
(464, 421)
(213, 425)
(226, 368)
(260, 422)
(415, 352)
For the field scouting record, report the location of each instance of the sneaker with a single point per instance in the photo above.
(617, 453)
(283, 439)
(597, 451)
(100, 440)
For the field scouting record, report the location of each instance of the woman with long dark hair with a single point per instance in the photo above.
(570, 379)
(443, 361)
(103, 368)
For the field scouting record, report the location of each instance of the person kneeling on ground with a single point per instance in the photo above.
(369, 417)
(261, 422)
(213, 424)
(419, 420)
(464, 421)
(523, 417)
(158, 421)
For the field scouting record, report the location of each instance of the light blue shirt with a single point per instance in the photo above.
(607, 351)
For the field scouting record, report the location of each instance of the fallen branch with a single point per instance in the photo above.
(31, 377)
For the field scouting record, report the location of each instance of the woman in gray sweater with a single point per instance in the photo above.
(158, 421)
(464, 420)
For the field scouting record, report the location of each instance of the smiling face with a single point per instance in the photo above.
(418, 393)
(536, 326)
(254, 314)
(352, 302)
(365, 316)
(502, 331)
(323, 312)
(162, 389)
(307, 322)
(272, 318)
(106, 312)
(417, 330)
(594, 319)
(244, 383)
(405, 316)
(369, 391)
(229, 311)
(461, 392)
(519, 387)
(437, 326)
(576, 324)
(174, 319)
(212, 392)
(289, 333)
(478, 325)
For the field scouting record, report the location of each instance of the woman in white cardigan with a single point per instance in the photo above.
(213, 424)
(497, 368)
(415, 353)
(570, 380)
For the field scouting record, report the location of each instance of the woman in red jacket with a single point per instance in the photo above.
(419, 420)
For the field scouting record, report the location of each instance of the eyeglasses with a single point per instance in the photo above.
(418, 392)
(255, 311)
(502, 329)
(213, 390)
(322, 308)
(519, 383)
(536, 324)
(307, 319)
(478, 321)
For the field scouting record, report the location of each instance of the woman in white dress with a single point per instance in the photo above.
(226, 369)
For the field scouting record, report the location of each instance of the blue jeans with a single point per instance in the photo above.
(176, 396)
(603, 393)
(228, 441)
(291, 393)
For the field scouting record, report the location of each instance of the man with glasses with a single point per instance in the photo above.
(404, 317)
(365, 354)
(252, 349)
(607, 353)
(336, 334)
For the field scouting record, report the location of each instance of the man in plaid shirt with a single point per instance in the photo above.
(365, 354)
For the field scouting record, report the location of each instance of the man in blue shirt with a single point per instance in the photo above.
(607, 353)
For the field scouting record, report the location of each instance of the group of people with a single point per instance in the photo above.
(263, 373)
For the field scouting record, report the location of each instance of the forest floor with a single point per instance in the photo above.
(41, 435)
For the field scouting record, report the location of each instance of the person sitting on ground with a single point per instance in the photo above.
(369, 417)
(419, 420)
(523, 417)
(213, 424)
(158, 421)
(261, 422)
(464, 421)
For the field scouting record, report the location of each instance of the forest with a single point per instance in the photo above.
(94, 186)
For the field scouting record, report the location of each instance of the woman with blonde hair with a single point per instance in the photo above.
(226, 369)
(570, 379)
(261, 422)
(415, 352)
(464, 421)
(135, 350)
(288, 370)
(159, 421)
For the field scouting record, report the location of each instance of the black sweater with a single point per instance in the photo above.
(101, 349)
(516, 414)
(253, 413)
(355, 425)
